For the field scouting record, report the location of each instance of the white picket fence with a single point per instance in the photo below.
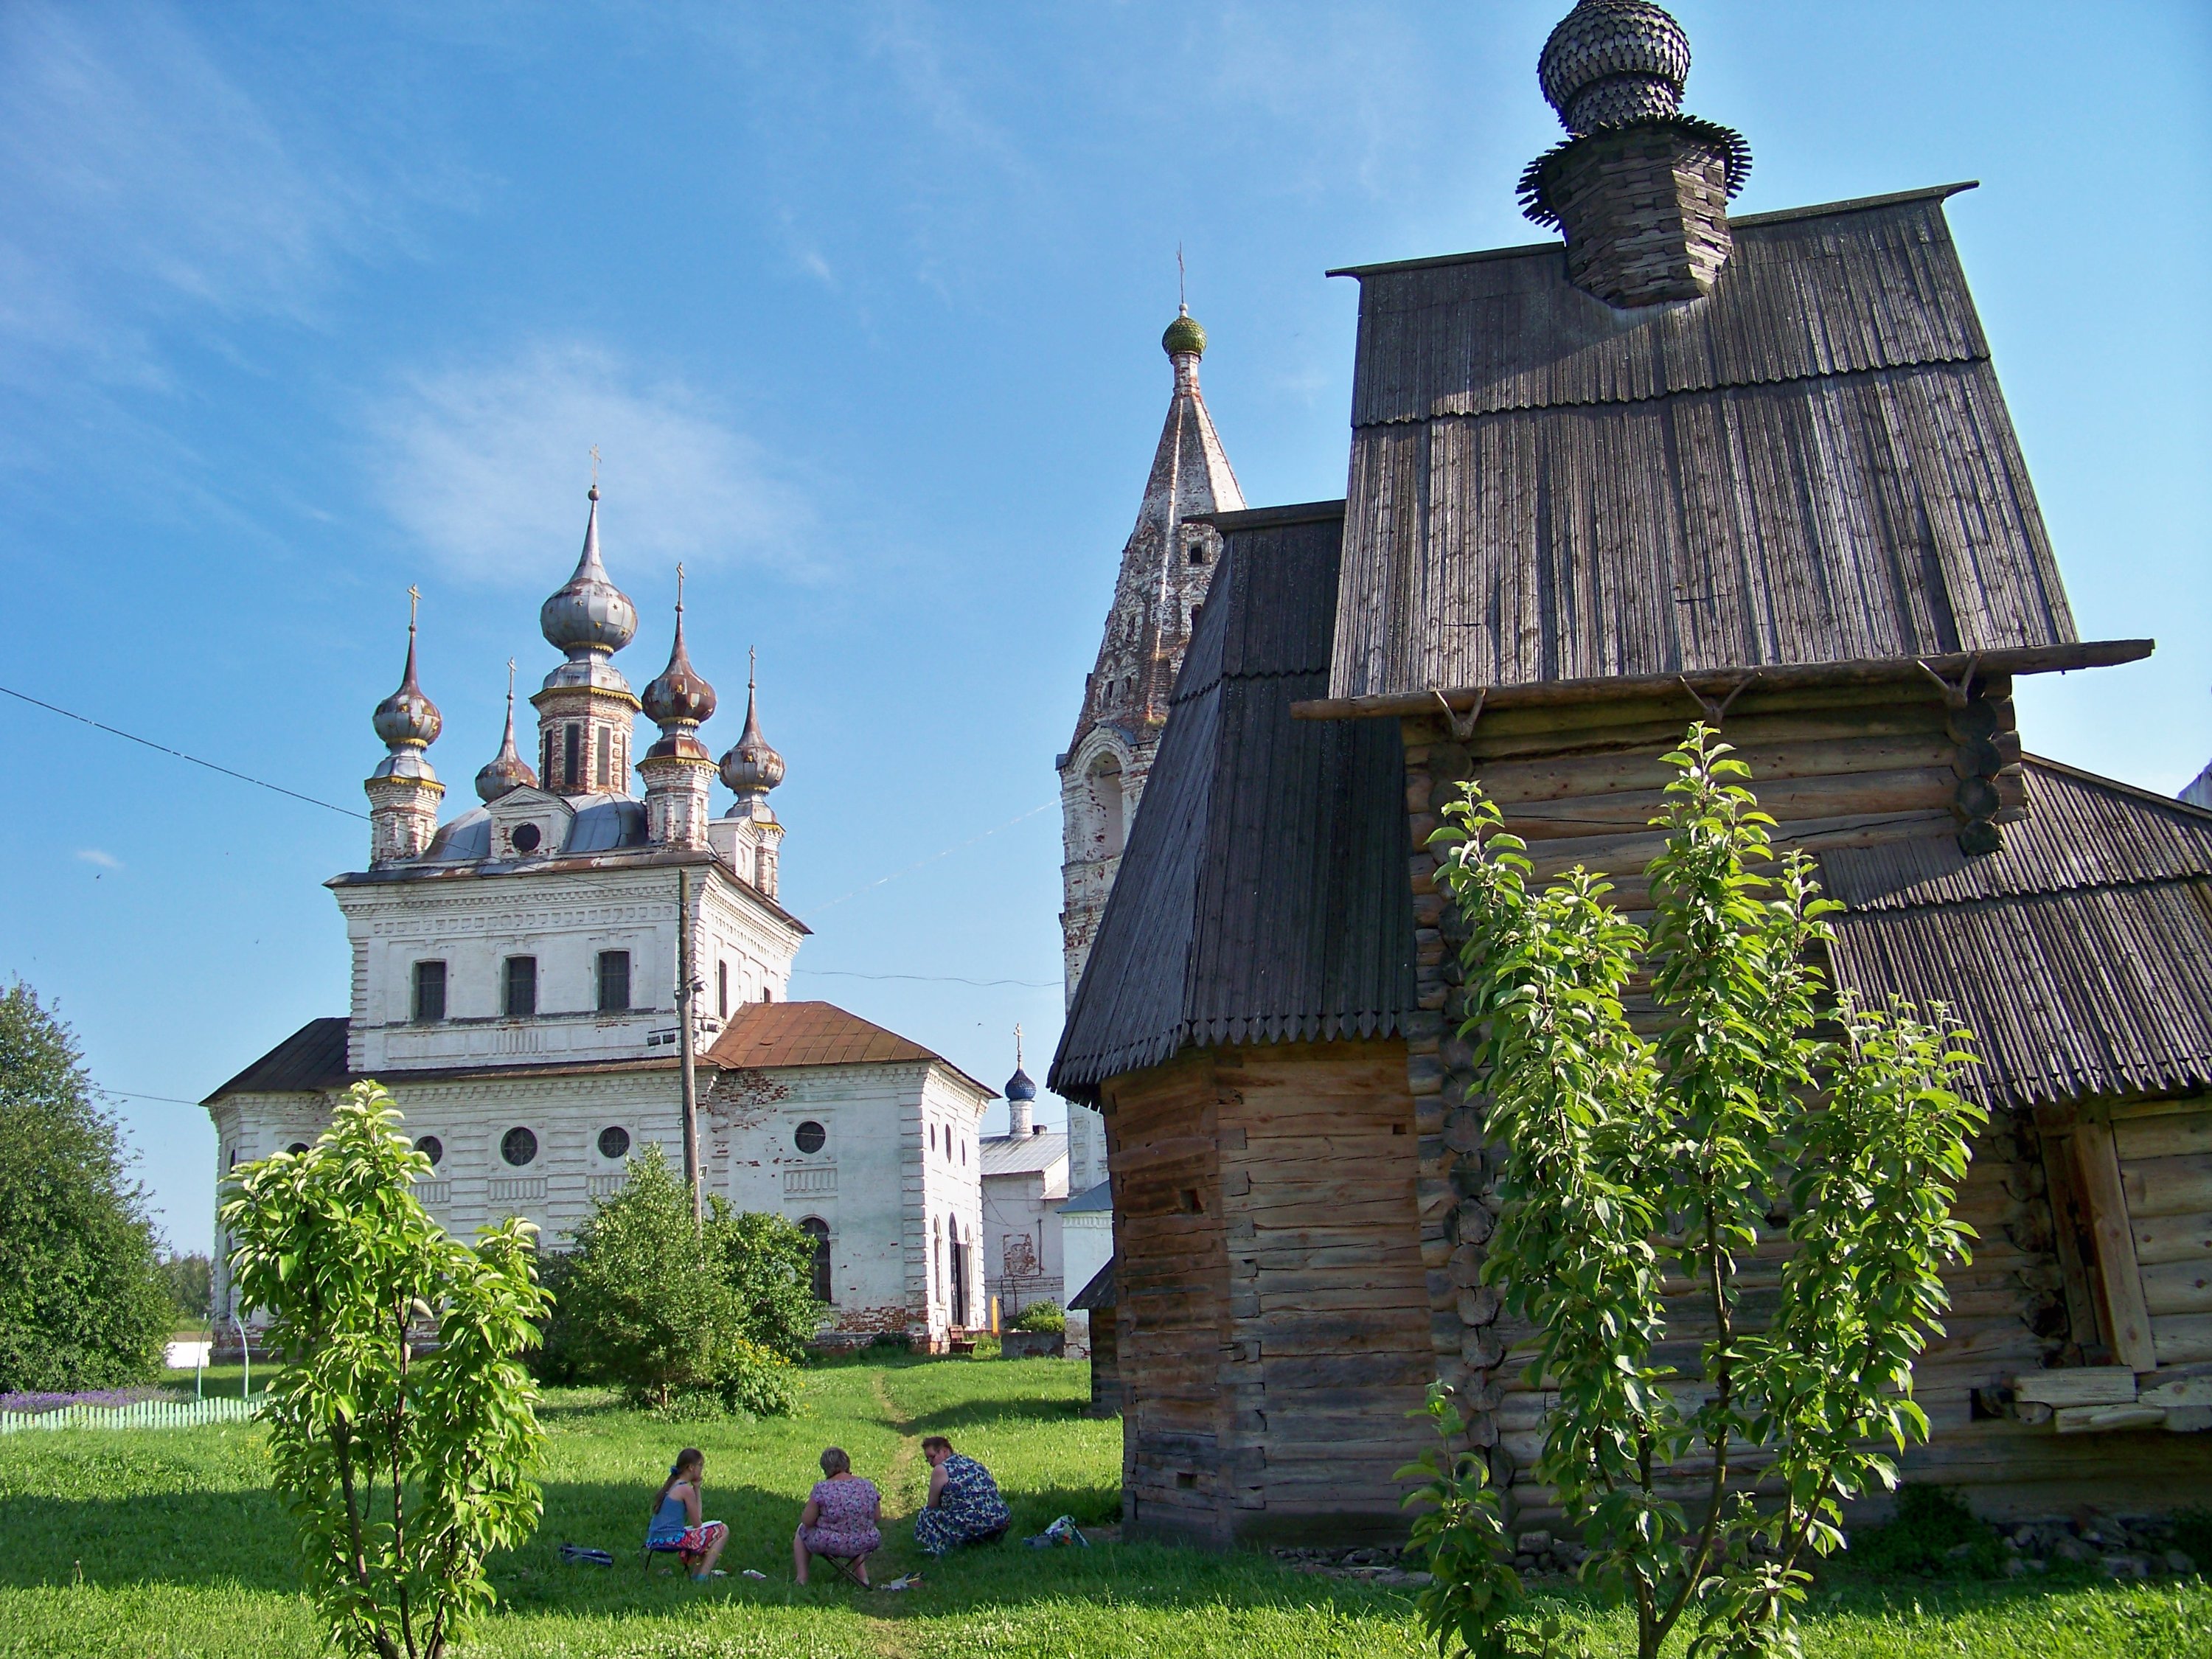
(145, 1414)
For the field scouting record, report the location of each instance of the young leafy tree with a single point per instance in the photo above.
(1628, 1160)
(403, 1468)
(770, 1263)
(82, 1301)
(669, 1310)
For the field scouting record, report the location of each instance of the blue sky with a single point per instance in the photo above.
(861, 304)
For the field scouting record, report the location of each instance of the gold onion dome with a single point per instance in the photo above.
(751, 767)
(1184, 334)
(589, 614)
(678, 701)
(507, 771)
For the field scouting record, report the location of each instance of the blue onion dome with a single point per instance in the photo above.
(507, 771)
(751, 767)
(1018, 1086)
(590, 614)
(1184, 334)
(1613, 62)
(407, 718)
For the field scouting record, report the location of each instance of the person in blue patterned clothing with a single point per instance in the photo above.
(964, 1506)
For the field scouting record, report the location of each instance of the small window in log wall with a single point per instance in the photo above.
(2142, 1180)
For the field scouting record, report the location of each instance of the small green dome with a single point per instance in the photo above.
(1184, 335)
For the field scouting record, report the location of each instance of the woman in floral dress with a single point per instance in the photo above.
(840, 1518)
(965, 1505)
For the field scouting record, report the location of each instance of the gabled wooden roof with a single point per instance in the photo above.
(762, 1035)
(1263, 895)
(2080, 956)
(1814, 463)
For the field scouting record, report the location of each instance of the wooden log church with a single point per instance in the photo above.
(1677, 465)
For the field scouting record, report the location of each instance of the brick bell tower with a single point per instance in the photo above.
(1167, 566)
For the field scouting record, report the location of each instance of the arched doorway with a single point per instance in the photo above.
(818, 1230)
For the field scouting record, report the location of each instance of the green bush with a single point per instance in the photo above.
(677, 1315)
(82, 1304)
(1933, 1535)
(1039, 1316)
(189, 1282)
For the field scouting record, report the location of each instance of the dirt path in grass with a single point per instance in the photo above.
(909, 1448)
(892, 1641)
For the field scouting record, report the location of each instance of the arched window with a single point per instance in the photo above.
(1105, 780)
(818, 1230)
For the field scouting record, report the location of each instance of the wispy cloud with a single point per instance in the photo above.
(138, 180)
(105, 860)
(484, 465)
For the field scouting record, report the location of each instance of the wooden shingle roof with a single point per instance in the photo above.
(2080, 956)
(1813, 463)
(1263, 895)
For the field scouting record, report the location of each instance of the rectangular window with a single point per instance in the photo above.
(722, 989)
(521, 988)
(614, 982)
(545, 758)
(430, 991)
(572, 749)
(605, 757)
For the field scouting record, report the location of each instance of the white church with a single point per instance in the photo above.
(515, 987)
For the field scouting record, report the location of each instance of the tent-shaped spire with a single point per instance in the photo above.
(1167, 562)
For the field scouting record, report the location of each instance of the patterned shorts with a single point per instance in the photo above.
(696, 1541)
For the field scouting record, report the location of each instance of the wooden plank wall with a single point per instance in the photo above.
(1171, 1280)
(1329, 1314)
(1838, 766)
(1272, 1321)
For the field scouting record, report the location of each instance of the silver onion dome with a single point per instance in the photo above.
(507, 771)
(590, 615)
(751, 767)
(408, 721)
(679, 702)
(1611, 62)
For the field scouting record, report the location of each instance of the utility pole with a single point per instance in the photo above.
(686, 988)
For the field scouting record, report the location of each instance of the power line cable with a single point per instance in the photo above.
(930, 979)
(920, 863)
(163, 748)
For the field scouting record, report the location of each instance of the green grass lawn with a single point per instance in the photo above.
(154, 1544)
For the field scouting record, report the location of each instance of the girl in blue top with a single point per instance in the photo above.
(676, 1527)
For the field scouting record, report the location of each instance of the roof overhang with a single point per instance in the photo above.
(1949, 668)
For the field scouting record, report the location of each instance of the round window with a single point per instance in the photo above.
(525, 838)
(432, 1148)
(614, 1141)
(811, 1137)
(297, 1147)
(518, 1146)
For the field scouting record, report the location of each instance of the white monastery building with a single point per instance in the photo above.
(1024, 1184)
(1167, 566)
(515, 986)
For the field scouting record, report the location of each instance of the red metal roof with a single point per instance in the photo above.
(763, 1035)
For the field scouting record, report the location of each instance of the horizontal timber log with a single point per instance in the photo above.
(2161, 1238)
(2168, 1186)
(1865, 670)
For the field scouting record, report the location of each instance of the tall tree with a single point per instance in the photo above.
(82, 1304)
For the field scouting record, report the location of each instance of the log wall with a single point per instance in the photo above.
(1273, 1319)
(1836, 766)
